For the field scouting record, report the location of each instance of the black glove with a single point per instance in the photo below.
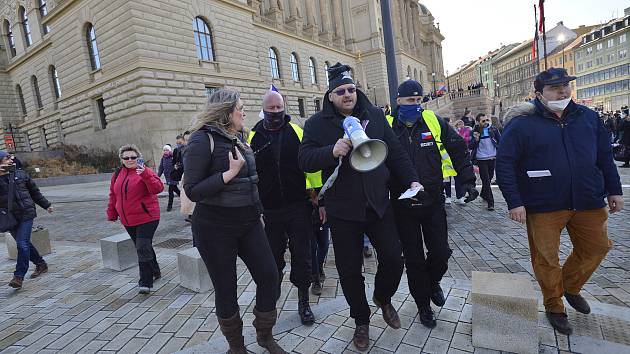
(471, 191)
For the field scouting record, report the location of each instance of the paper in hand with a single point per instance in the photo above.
(411, 192)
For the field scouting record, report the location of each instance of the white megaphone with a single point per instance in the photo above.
(367, 154)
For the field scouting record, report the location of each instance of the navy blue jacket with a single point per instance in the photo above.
(576, 151)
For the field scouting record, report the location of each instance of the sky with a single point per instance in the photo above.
(472, 28)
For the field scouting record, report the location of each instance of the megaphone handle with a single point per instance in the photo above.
(329, 182)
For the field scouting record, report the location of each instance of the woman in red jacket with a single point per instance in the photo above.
(133, 198)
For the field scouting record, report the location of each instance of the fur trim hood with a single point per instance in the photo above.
(521, 109)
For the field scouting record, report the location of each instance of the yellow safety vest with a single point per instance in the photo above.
(436, 130)
(313, 180)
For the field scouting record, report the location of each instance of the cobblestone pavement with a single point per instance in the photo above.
(81, 307)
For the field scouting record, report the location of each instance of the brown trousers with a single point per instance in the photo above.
(588, 231)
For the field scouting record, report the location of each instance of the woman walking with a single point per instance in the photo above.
(484, 145)
(220, 176)
(20, 194)
(166, 168)
(133, 198)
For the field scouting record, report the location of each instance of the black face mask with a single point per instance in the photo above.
(273, 120)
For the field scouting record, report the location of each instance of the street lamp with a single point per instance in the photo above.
(561, 39)
(433, 75)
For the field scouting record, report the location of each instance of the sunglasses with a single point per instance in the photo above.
(127, 158)
(342, 92)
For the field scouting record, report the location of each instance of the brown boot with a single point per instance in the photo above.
(264, 323)
(232, 329)
(361, 337)
(39, 270)
(16, 282)
(389, 313)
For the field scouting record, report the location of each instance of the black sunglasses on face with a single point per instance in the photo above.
(342, 92)
(127, 158)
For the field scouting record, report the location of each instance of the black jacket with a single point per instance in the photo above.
(281, 182)
(178, 164)
(625, 129)
(427, 160)
(353, 192)
(26, 195)
(203, 173)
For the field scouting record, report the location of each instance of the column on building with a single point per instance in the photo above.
(310, 29)
(339, 31)
(325, 10)
(408, 10)
(398, 20)
(415, 15)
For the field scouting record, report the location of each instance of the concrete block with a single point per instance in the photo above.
(193, 273)
(40, 238)
(504, 312)
(118, 252)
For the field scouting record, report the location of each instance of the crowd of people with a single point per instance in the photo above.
(253, 195)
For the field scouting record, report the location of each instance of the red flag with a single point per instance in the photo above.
(534, 48)
(542, 15)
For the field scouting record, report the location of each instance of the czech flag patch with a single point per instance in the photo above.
(427, 136)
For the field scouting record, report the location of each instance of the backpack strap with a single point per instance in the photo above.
(211, 142)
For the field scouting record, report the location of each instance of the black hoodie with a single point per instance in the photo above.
(353, 192)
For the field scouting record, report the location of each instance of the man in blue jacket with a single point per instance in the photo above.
(555, 168)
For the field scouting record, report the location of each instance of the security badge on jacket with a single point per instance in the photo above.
(425, 139)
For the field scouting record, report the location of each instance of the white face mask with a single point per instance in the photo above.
(556, 106)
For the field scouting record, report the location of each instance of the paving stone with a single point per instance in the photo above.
(334, 345)
(67, 338)
(173, 345)
(444, 330)
(156, 343)
(79, 343)
(417, 335)
(462, 342)
(189, 328)
(436, 346)
(407, 349)
(309, 346)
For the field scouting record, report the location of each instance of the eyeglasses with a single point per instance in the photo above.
(127, 158)
(342, 91)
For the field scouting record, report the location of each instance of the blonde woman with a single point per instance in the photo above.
(220, 176)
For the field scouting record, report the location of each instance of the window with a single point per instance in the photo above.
(273, 64)
(600, 46)
(42, 138)
(611, 43)
(326, 66)
(102, 117)
(301, 107)
(589, 50)
(10, 39)
(22, 104)
(95, 59)
(589, 64)
(318, 105)
(38, 97)
(43, 11)
(203, 39)
(599, 61)
(210, 90)
(622, 38)
(295, 69)
(623, 53)
(28, 40)
(55, 82)
(313, 71)
(578, 54)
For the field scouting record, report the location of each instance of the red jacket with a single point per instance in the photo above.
(133, 197)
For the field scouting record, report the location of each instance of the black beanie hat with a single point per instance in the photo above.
(410, 88)
(339, 74)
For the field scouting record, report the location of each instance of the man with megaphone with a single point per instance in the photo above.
(357, 202)
(437, 152)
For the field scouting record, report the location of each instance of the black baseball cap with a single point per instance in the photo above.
(410, 88)
(552, 76)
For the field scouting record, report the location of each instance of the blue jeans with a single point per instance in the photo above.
(25, 249)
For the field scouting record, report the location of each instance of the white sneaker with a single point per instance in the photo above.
(448, 200)
(460, 201)
(144, 290)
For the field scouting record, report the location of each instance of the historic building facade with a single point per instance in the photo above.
(104, 73)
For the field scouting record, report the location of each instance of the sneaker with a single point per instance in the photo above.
(39, 270)
(144, 290)
(448, 201)
(460, 201)
(367, 252)
(16, 283)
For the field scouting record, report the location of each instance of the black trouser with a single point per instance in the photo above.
(219, 243)
(347, 239)
(319, 246)
(172, 190)
(292, 223)
(486, 172)
(426, 224)
(142, 237)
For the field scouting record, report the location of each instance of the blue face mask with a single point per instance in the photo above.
(409, 113)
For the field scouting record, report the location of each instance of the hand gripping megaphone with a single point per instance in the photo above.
(367, 154)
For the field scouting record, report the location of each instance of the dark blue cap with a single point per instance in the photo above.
(551, 76)
(410, 88)
(3, 154)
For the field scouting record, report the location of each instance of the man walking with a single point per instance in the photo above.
(555, 168)
(275, 141)
(358, 202)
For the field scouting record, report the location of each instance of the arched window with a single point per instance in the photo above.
(408, 72)
(28, 40)
(295, 68)
(10, 39)
(311, 67)
(415, 74)
(55, 82)
(203, 39)
(326, 66)
(38, 97)
(90, 35)
(273, 64)
(420, 77)
(43, 12)
(18, 90)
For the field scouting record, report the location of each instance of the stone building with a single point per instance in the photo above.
(104, 73)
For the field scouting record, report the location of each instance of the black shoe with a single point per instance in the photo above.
(367, 252)
(169, 208)
(188, 219)
(427, 316)
(437, 296)
(490, 206)
(157, 275)
(316, 285)
(304, 309)
(559, 322)
(322, 275)
(578, 303)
